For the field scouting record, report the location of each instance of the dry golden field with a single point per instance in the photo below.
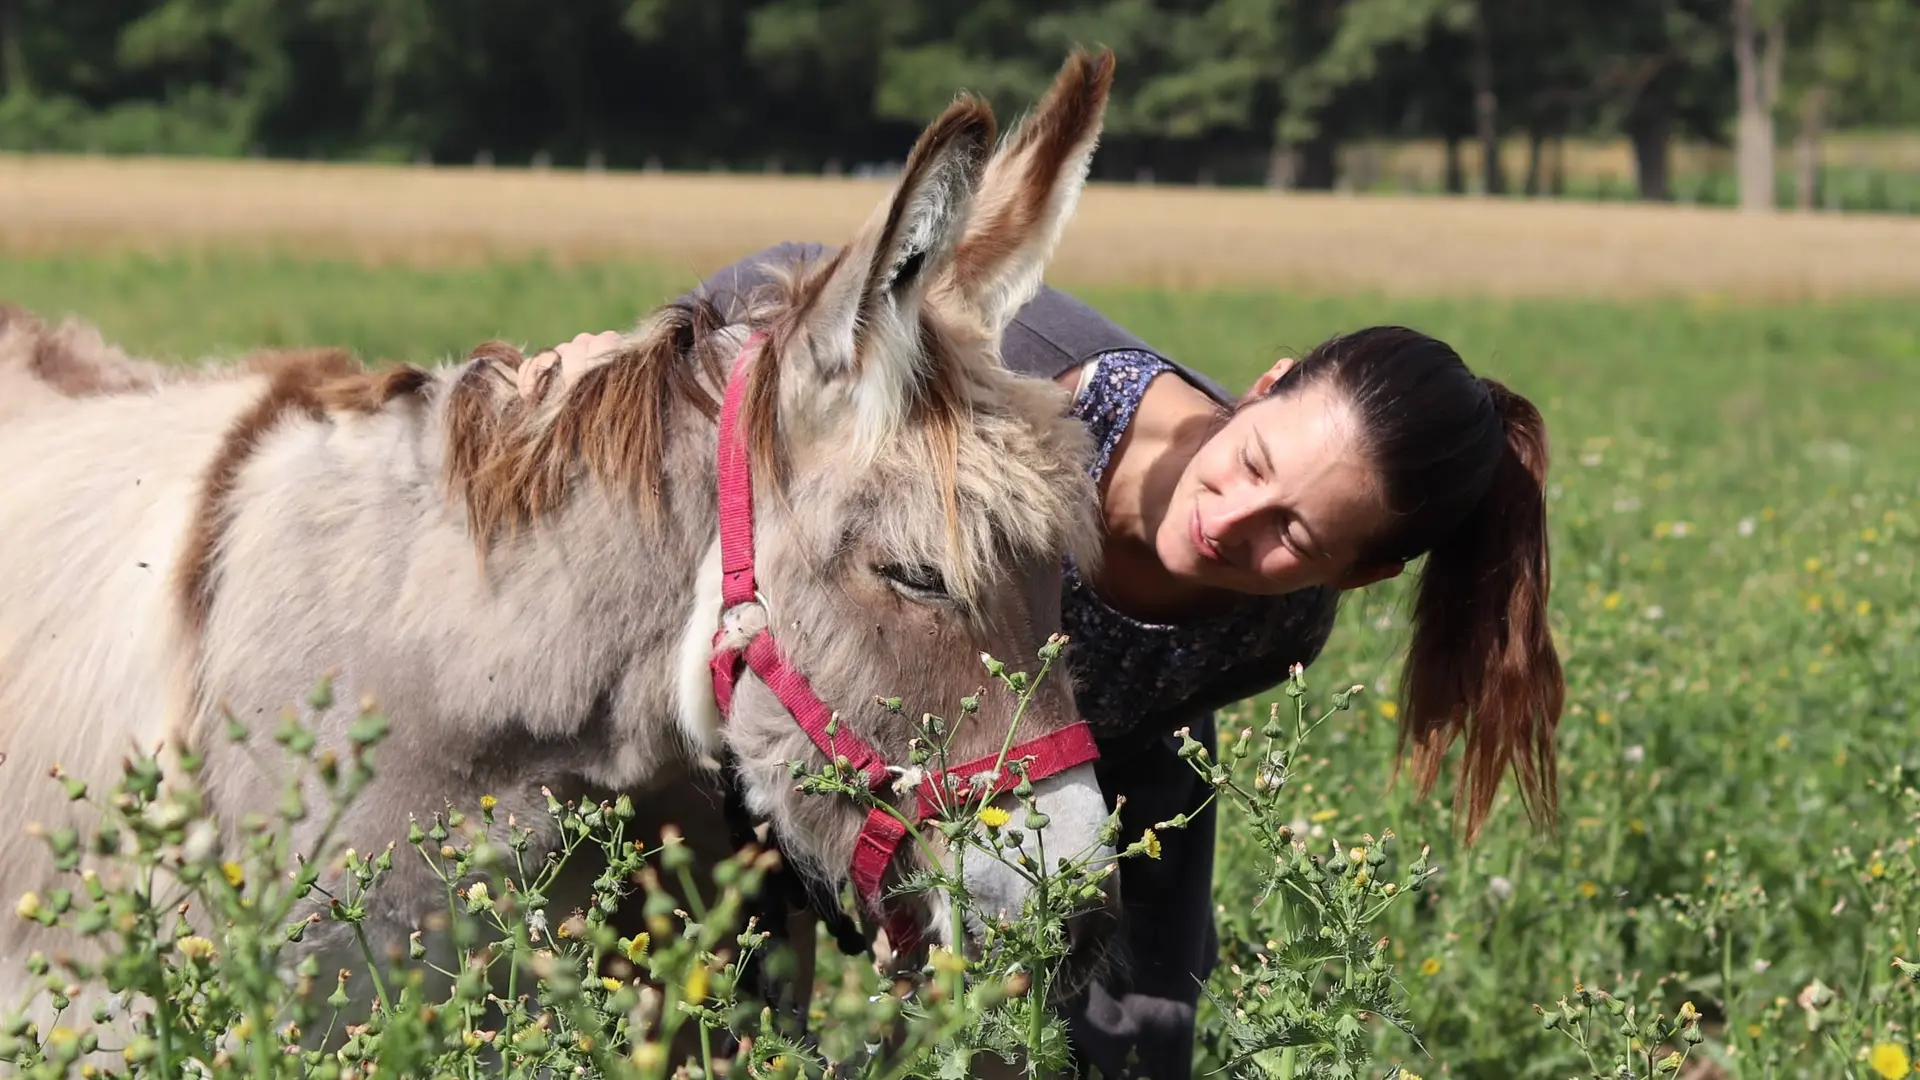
(1139, 235)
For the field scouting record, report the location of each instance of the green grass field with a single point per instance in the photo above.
(1736, 515)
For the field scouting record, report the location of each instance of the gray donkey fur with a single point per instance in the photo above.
(528, 589)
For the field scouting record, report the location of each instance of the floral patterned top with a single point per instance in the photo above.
(1138, 678)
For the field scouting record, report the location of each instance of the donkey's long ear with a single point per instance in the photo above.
(862, 321)
(1030, 190)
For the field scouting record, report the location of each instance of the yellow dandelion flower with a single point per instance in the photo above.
(233, 873)
(1612, 601)
(1812, 565)
(1389, 709)
(609, 985)
(637, 947)
(1869, 534)
(194, 947)
(1754, 1031)
(993, 817)
(1603, 718)
(697, 985)
(1864, 607)
(1321, 817)
(1890, 1061)
(1637, 827)
(1783, 741)
(1151, 843)
(488, 802)
(1815, 668)
(1588, 890)
(1813, 601)
(1878, 869)
(1430, 966)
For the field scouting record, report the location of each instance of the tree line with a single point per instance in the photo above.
(1229, 91)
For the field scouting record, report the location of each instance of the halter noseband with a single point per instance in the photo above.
(881, 836)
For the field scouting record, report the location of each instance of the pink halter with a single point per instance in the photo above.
(880, 838)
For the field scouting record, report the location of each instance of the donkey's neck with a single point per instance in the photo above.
(554, 643)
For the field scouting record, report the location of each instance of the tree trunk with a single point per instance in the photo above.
(1536, 147)
(13, 55)
(1806, 147)
(1650, 127)
(1757, 52)
(1456, 173)
(1279, 167)
(1486, 105)
(1314, 164)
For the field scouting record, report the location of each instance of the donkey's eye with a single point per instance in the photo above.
(924, 581)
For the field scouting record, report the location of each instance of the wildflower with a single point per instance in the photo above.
(1890, 1060)
(1812, 565)
(1654, 613)
(609, 984)
(637, 948)
(488, 802)
(993, 817)
(233, 873)
(1783, 741)
(697, 984)
(1878, 869)
(1389, 709)
(910, 777)
(1634, 755)
(1500, 888)
(1588, 890)
(194, 947)
(1869, 535)
(1745, 528)
(1321, 816)
(28, 907)
(1864, 607)
(1603, 718)
(1430, 966)
(1612, 602)
(1150, 843)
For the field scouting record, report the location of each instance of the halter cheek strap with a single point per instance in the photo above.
(881, 837)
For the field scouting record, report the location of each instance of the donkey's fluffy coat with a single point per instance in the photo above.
(527, 588)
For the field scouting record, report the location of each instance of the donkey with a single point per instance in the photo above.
(685, 555)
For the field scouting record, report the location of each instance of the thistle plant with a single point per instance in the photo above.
(1618, 1039)
(1306, 971)
(647, 978)
(1007, 978)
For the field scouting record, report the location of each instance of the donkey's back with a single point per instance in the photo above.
(99, 502)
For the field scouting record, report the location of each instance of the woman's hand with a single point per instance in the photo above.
(572, 358)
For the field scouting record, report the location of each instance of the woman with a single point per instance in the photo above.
(1232, 527)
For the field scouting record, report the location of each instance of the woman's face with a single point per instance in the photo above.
(1281, 498)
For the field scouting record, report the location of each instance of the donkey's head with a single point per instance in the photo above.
(914, 499)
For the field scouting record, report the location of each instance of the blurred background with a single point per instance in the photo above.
(1813, 103)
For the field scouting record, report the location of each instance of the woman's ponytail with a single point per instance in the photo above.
(1482, 659)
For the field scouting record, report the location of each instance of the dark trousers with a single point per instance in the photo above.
(1167, 946)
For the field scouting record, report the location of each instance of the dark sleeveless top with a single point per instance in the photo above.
(1135, 680)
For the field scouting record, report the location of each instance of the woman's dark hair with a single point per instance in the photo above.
(1462, 462)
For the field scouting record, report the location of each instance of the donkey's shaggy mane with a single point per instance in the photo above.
(514, 461)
